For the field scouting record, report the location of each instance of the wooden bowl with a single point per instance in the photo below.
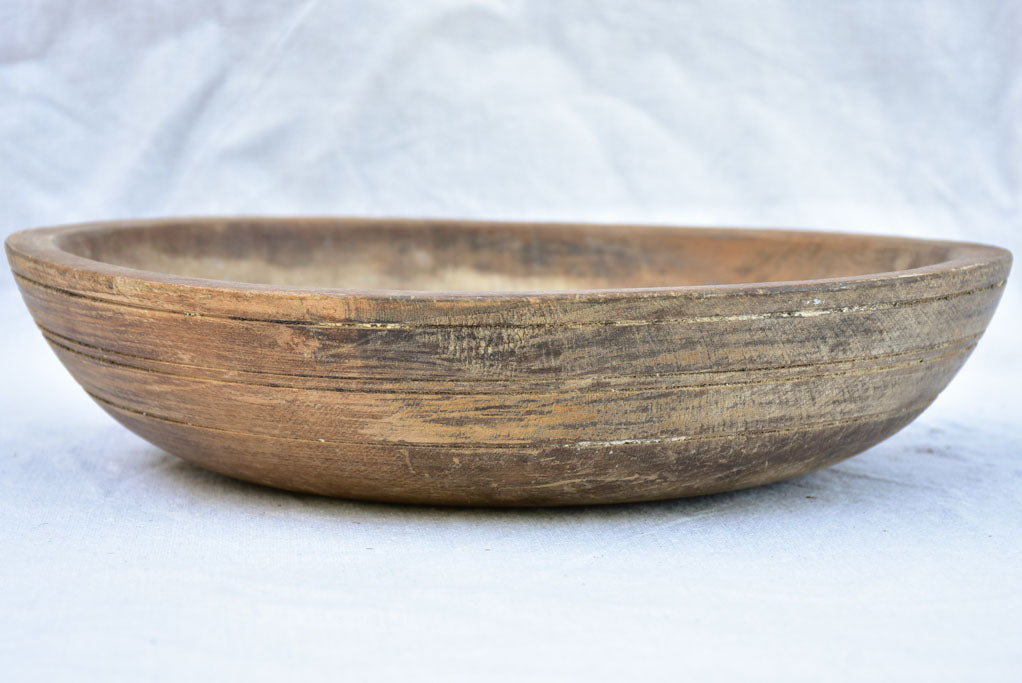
(466, 363)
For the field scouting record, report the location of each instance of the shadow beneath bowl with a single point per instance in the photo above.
(920, 473)
(213, 489)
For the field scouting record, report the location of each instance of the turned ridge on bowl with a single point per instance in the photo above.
(467, 363)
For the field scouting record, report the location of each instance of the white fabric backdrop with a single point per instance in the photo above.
(117, 562)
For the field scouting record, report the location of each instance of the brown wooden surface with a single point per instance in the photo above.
(506, 364)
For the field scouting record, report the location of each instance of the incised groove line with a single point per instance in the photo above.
(910, 410)
(383, 326)
(581, 390)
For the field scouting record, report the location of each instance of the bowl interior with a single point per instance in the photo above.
(438, 256)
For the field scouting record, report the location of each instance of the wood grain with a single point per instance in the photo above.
(454, 362)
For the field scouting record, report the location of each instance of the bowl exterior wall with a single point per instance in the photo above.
(595, 399)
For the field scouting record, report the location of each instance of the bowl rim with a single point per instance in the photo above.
(42, 246)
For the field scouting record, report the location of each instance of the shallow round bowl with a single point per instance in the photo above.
(504, 364)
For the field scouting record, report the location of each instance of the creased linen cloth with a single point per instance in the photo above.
(118, 562)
